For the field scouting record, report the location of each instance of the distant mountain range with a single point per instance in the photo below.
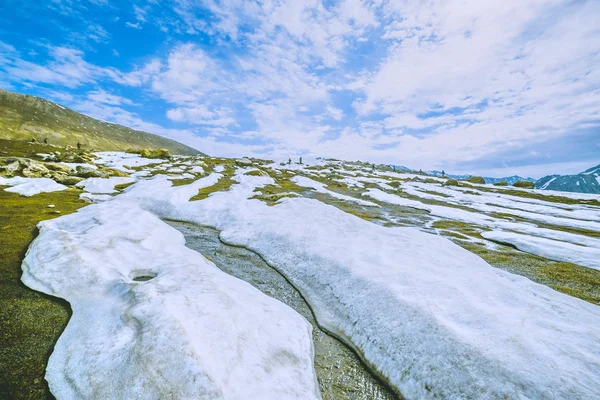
(510, 180)
(587, 181)
(24, 117)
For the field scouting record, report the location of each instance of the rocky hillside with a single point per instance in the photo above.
(585, 182)
(29, 117)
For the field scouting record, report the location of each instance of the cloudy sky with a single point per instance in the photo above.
(491, 87)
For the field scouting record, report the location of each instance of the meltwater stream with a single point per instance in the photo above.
(341, 374)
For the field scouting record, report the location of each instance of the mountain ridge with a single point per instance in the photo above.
(587, 181)
(25, 117)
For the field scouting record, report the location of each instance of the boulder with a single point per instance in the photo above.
(12, 168)
(524, 184)
(88, 172)
(153, 153)
(34, 169)
(476, 179)
(59, 167)
(243, 162)
(68, 180)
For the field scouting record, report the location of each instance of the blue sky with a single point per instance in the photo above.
(483, 87)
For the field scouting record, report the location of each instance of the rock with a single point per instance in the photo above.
(243, 162)
(476, 179)
(115, 172)
(68, 180)
(50, 206)
(58, 167)
(35, 169)
(73, 158)
(451, 182)
(12, 168)
(153, 153)
(524, 184)
(87, 172)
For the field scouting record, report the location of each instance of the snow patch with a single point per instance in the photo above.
(435, 320)
(103, 185)
(30, 186)
(190, 331)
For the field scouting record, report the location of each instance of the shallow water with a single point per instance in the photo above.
(341, 374)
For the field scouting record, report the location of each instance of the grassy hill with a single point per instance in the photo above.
(25, 117)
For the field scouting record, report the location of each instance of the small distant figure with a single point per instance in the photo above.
(300, 160)
(289, 161)
(78, 146)
(373, 167)
(45, 140)
(443, 173)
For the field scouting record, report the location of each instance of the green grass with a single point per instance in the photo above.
(30, 322)
(457, 227)
(222, 185)
(27, 149)
(283, 187)
(255, 172)
(123, 186)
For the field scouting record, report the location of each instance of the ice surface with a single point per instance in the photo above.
(103, 185)
(30, 186)
(191, 331)
(548, 248)
(522, 207)
(588, 246)
(435, 320)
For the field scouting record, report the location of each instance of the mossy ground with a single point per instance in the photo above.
(27, 149)
(533, 195)
(283, 187)
(30, 322)
(222, 185)
(567, 278)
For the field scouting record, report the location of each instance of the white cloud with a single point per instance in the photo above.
(201, 115)
(132, 25)
(101, 96)
(432, 83)
(334, 113)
